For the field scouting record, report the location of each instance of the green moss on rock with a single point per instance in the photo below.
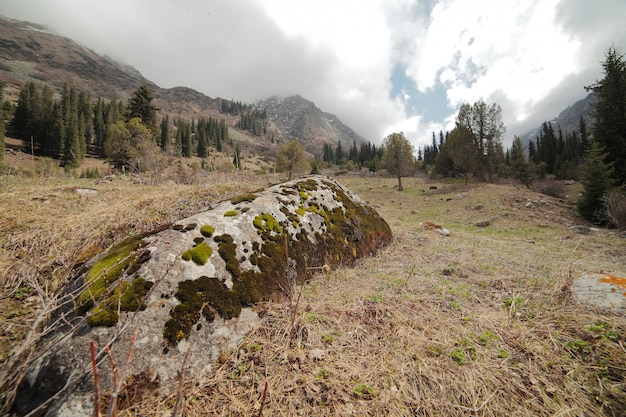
(127, 255)
(227, 249)
(129, 296)
(199, 254)
(203, 297)
(184, 227)
(267, 222)
(243, 198)
(231, 213)
(207, 230)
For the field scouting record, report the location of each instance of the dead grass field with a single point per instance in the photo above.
(477, 323)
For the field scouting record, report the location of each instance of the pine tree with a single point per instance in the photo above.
(484, 123)
(520, 167)
(44, 137)
(164, 142)
(99, 127)
(202, 149)
(2, 117)
(338, 153)
(596, 179)
(140, 105)
(609, 112)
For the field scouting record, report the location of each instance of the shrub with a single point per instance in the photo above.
(615, 202)
(550, 187)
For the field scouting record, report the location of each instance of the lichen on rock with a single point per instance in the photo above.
(168, 285)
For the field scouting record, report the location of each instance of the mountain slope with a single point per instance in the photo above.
(298, 118)
(569, 118)
(29, 52)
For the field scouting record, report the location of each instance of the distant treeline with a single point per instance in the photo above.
(69, 127)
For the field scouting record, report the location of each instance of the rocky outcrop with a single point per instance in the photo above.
(186, 293)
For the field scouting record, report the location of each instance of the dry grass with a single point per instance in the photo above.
(478, 323)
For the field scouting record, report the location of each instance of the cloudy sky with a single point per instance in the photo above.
(381, 66)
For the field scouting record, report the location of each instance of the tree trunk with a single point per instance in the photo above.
(400, 183)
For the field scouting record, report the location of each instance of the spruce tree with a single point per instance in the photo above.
(609, 112)
(2, 116)
(520, 167)
(99, 127)
(140, 105)
(164, 142)
(596, 180)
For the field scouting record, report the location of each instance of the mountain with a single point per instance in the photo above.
(30, 52)
(568, 119)
(298, 118)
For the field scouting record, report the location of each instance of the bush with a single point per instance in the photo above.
(615, 203)
(550, 187)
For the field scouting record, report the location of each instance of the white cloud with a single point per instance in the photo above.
(531, 57)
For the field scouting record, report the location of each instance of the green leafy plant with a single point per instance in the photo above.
(459, 356)
(579, 346)
(363, 390)
(23, 292)
(322, 374)
(604, 329)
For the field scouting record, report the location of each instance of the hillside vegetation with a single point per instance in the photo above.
(480, 322)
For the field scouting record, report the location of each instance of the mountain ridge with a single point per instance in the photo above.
(31, 52)
(568, 119)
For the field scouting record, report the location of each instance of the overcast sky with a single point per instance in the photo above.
(381, 66)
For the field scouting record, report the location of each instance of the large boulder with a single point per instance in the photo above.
(186, 293)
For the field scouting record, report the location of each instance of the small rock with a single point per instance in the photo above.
(530, 204)
(584, 230)
(316, 354)
(444, 232)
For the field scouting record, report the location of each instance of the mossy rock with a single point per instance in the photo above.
(129, 296)
(267, 222)
(207, 230)
(227, 249)
(127, 255)
(203, 297)
(249, 197)
(231, 213)
(199, 254)
(184, 227)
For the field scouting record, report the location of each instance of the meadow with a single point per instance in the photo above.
(480, 322)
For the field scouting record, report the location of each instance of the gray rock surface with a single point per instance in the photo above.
(601, 290)
(188, 290)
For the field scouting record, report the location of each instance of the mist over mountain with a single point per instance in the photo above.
(299, 118)
(568, 119)
(30, 52)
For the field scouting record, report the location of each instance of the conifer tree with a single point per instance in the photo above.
(164, 142)
(484, 123)
(520, 167)
(2, 117)
(99, 127)
(202, 149)
(596, 179)
(140, 105)
(338, 153)
(609, 112)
